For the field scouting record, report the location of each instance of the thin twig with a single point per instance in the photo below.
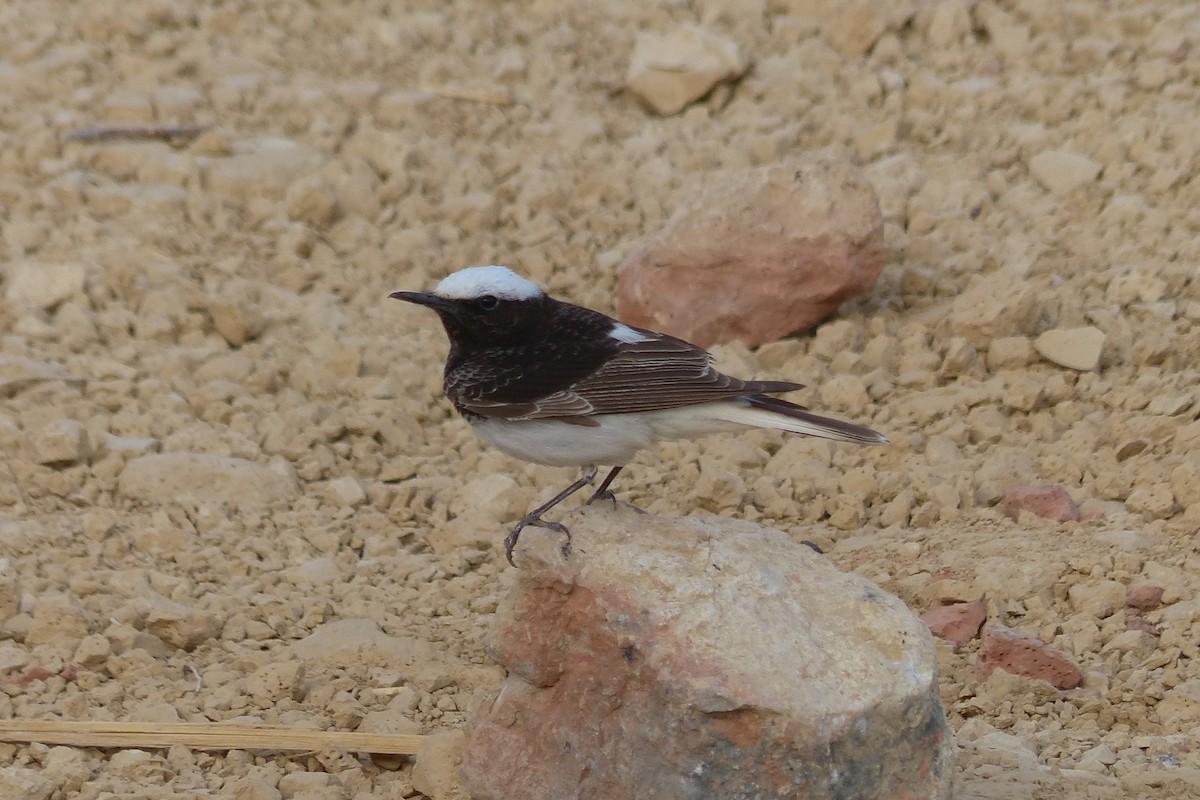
(109, 133)
(203, 736)
(494, 97)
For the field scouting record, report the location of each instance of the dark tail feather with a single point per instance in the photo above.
(771, 387)
(811, 424)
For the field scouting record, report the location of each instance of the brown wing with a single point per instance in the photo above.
(660, 373)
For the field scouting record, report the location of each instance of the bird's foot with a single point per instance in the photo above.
(510, 541)
(605, 494)
(602, 494)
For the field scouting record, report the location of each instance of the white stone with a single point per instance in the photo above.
(1001, 304)
(12, 657)
(668, 71)
(131, 445)
(344, 491)
(203, 478)
(262, 167)
(61, 442)
(234, 321)
(315, 572)
(29, 784)
(439, 763)
(362, 642)
(1074, 348)
(1098, 599)
(491, 497)
(1062, 171)
(177, 624)
(1180, 708)
(42, 286)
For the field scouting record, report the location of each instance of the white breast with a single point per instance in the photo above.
(615, 440)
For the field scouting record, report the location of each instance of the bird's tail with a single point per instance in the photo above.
(760, 411)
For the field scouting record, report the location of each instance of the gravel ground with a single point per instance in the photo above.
(221, 439)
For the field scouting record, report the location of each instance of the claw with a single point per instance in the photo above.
(510, 541)
(602, 495)
(535, 517)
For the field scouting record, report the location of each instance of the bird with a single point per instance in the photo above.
(558, 384)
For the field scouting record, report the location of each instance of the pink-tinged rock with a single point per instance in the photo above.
(758, 255)
(695, 658)
(1021, 654)
(1050, 502)
(958, 623)
(1144, 596)
(1134, 621)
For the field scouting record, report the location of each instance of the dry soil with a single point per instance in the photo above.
(225, 295)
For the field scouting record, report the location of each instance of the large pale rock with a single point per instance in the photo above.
(702, 658)
(669, 71)
(758, 255)
(203, 478)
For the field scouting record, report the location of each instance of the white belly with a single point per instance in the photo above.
(614, 441)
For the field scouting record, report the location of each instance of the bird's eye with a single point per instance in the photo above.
(486, 303)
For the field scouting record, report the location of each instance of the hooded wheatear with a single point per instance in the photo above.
(558, 384)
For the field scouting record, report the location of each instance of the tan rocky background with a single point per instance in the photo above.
(230, 490)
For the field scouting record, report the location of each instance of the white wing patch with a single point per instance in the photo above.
(501, 282)
(626, 334)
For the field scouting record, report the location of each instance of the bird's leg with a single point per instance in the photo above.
(535, 517)
(603, 493)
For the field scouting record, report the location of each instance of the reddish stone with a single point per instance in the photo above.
(1050, 502)
(758, 255)
(1134, 621)
(958, 623)
(34, 673)
(69, 673)
(696, 658)
(1021, 654)
(1144, 596)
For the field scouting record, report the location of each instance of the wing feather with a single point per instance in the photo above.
(657, 373)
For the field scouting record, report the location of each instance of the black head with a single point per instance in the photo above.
(483, 307)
